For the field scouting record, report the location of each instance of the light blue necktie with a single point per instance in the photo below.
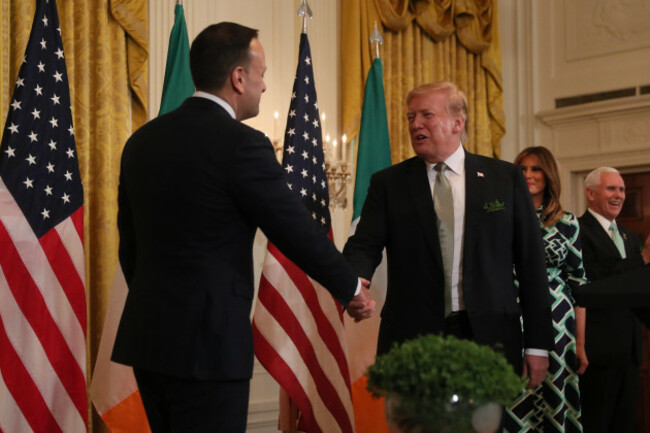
(618, 240)
(443, 201)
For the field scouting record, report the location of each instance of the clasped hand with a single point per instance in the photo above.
(362, 306)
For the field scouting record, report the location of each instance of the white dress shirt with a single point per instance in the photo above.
(603, 222)
(456, 175)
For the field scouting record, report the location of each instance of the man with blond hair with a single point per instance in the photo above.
(454, 224)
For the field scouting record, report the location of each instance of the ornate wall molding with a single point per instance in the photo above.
(615, 133)
(597, 27)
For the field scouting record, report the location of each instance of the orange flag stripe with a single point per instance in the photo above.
(369, 415)
(127, 416)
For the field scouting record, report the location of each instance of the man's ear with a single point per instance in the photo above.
(590, 194)
(459, 124)
(237, 79)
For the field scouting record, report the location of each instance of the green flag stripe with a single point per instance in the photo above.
(374, 145)
(178, 84)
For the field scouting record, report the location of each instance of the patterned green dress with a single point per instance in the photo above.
(554, 406)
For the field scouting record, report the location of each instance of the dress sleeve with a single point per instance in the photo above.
(572, 269)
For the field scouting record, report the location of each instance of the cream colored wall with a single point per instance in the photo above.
(561, 48)
(279, 28)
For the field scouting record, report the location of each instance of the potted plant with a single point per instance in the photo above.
(436, 384)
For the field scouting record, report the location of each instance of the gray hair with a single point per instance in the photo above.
(593, 179)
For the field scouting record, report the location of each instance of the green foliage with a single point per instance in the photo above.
(436, 379)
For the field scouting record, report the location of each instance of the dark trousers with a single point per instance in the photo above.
(608, 395)
(179, 405)
(457, 325)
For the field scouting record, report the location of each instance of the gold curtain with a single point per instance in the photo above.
(106, 48)
(425, 41)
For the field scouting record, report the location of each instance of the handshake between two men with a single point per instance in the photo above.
(362, 306)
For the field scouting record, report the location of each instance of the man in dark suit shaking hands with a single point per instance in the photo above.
(195, 184)
(609, 386)
(452, 241)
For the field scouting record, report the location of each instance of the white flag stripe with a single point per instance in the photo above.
(326, 301)
(72, 243)
(34, 359)
(289, 352)
(276, 275)
(11, 418)
(32, 255)
(112, 382)
(273, 271)
(331, 311)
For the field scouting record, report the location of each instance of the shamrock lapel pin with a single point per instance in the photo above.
(494, 206)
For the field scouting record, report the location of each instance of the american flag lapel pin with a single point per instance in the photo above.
(479, 174)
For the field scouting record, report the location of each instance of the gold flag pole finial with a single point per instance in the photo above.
(305, 12)
(376, 39)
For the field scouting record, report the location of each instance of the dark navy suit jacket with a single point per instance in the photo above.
(612, 336)
(501, 230)
(195, 185)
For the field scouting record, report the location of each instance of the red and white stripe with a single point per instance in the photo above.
(42, 324)
(300, 340)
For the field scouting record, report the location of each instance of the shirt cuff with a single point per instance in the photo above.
(356, 292)
(536, 352)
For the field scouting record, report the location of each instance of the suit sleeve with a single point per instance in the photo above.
(530, 265)
(126, 251)
(260, 189)
(364, 248)
(573, 271)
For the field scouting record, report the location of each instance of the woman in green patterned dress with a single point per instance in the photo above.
(554, 406)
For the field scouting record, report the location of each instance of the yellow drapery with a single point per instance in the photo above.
(425, 41)
(106, 48)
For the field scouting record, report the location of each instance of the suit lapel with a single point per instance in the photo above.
(602, 235)
(628, 236)
(474, 186)
(423, 202)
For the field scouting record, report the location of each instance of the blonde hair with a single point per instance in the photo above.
(456, 102)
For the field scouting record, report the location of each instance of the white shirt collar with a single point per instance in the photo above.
(218, 100)
(601, 220)
(455, 162)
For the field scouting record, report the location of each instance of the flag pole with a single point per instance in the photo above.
(373, 154)
(376, 40)
(305, 12)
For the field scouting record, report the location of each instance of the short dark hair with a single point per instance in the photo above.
(216, 51)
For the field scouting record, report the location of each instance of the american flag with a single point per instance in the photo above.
(298, 326)
(42, 295)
